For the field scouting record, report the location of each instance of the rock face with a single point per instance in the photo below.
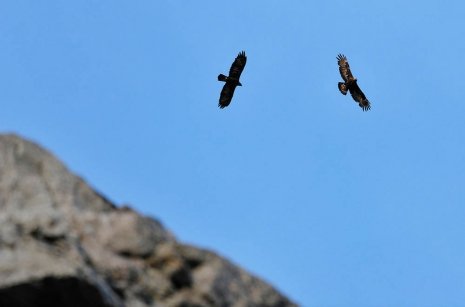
(64, 244)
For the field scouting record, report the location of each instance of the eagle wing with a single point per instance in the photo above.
(344, 68)
(226, 95)
(359, 97)
(238, 66)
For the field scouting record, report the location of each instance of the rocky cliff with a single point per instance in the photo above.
(64, 244)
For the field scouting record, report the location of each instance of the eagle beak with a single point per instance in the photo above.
(240, 84)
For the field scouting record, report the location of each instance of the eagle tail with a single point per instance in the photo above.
(342, 87)
(222, 77)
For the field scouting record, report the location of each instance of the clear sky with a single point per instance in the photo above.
(332, 205)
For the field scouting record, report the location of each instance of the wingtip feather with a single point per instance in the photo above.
(366, 106)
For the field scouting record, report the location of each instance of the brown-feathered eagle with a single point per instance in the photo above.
(350, 83)
(232, 80)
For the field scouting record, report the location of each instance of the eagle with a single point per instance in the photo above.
(232, 80)
(350, 83)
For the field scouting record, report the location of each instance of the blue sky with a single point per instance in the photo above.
(332, 205)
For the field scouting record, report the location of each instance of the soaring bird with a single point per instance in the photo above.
(350, 83)
(232, 80)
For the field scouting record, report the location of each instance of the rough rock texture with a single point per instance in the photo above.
(63, 244)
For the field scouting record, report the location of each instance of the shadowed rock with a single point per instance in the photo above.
(64, 244)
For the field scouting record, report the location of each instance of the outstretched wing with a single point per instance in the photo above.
(226, 95)
(344, 68)
(358, 96)
(238, 66)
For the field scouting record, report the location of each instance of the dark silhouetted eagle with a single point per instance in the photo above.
(232, 80)
(350, 83)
